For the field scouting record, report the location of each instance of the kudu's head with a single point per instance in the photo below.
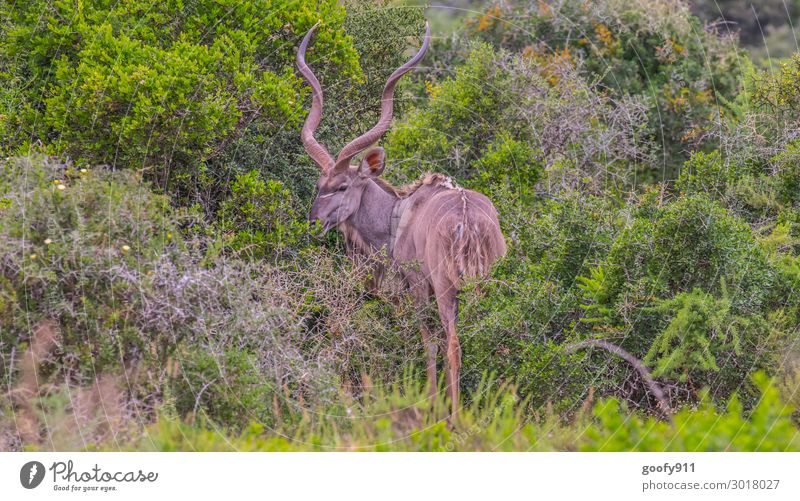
(340, 184)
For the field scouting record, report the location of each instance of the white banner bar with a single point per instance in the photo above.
(408, 476)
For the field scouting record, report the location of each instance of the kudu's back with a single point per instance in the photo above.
(453, 233)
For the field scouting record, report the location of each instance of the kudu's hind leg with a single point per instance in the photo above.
(422, 295)
(431, 349)
(448, 312)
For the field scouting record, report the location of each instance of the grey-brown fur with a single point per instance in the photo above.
(435, 233)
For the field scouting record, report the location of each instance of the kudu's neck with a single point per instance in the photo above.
(369, 228)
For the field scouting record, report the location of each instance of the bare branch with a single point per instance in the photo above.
(637, 364)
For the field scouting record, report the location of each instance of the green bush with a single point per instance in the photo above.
(500, 123)
(687, 287)
(704, 173)
(701, 332)
(689, 242)
(532, 303)
(69, 238)
(226, 388)
(193, 92)
(764, 120)
(117, 84)
(768, 427)
(258, 219)
(656, 50)
(508, 163)
(788, 167)
(99, 255)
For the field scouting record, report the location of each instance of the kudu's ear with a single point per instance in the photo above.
(373, 163)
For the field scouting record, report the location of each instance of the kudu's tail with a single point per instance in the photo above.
(474, 243)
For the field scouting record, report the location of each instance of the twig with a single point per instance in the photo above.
(654, 388)
(200, 395)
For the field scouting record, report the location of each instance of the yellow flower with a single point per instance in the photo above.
(33, 257)
(604, 34)
(125, 248)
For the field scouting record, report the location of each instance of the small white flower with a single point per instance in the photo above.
(61, 187)
(47, 241)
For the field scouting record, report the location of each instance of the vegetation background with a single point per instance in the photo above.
(161, 289)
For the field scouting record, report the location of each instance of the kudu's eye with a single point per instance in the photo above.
(334, 192)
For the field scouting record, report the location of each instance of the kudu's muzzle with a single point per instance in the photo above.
(313, 217)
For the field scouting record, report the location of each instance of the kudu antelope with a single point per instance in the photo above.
(436, 234)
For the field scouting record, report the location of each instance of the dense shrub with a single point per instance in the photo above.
(702, 330)
(764, 119)
(193, 93)
(686, 243)
(116, 84)
(513, 328)
(678, 282)
(754, 175)
(68, 238)
(258, 219)
(687, 287)
(656, 50)
(500, 122)
(98, 254)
